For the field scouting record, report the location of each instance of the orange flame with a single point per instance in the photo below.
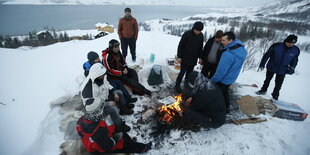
(168, 110)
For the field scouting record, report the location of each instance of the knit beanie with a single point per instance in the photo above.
(92, 56)
(291, 39)
(127, 10)
(94, 109)
(198, 26)
(113, 43)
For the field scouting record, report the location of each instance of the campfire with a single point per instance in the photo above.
(170, 112)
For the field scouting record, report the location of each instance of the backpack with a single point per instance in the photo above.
(156, 76)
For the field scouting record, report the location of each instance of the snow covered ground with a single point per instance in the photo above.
(33, 79)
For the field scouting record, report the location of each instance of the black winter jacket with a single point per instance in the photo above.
(190, 47)
(210, 103)
(207, 49)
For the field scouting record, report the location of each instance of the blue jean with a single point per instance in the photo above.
(117, 84)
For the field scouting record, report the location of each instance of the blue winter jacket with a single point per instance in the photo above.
(230, 63)
(282, 59)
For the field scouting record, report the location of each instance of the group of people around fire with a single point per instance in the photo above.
(205, 94)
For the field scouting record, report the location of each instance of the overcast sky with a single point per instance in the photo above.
(209, 3)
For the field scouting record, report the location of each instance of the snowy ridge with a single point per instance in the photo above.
(291, 6)
(130, 2)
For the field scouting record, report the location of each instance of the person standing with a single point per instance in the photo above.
(233, 57)
(283, 58)
(211, 54)
(189, 50)
(128, 33)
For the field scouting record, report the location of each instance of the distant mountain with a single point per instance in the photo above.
(289, 9)
(1, 2)
(208, 3)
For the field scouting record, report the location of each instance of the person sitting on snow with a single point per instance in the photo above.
(99, 135)
(205, 104)
(117, 68)
(96, 89)
(93, 57)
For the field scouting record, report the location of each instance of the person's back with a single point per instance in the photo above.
(212, 104)
(99, 132)
(97, 136)
(206, 104)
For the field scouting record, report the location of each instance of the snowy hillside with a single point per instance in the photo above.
(33, 79)
(290, 6)
(223, 3)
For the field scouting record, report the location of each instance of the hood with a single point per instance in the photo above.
(235, 42)
(95, 71)
(240, 52)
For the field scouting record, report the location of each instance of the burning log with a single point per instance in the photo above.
(170, 114)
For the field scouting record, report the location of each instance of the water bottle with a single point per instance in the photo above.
(152, 57)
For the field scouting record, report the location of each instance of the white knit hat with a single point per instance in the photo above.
(94, 109)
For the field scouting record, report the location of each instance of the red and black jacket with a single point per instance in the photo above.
(110, 62)
(98, 136)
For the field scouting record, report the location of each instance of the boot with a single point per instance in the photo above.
(261, 92)
(147, 147)
(276, 97)
(125, 128)
(125, 111)
(130, 106)
(132, 100)
(148, 92)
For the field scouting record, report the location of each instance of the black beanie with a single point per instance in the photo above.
(112, 43)
(198, 26)
(127, 10)
(291, 39)
(91, 56)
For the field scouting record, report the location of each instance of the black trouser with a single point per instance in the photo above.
(131, 80)
(131, 42)
(278, 83)
(196, 117)
(184, 69)
(130, 146)
(208, 69)
(225, 91)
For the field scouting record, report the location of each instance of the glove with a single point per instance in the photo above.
(290, 71)
(260, 69)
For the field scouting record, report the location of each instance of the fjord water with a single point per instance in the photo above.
(21, 19)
